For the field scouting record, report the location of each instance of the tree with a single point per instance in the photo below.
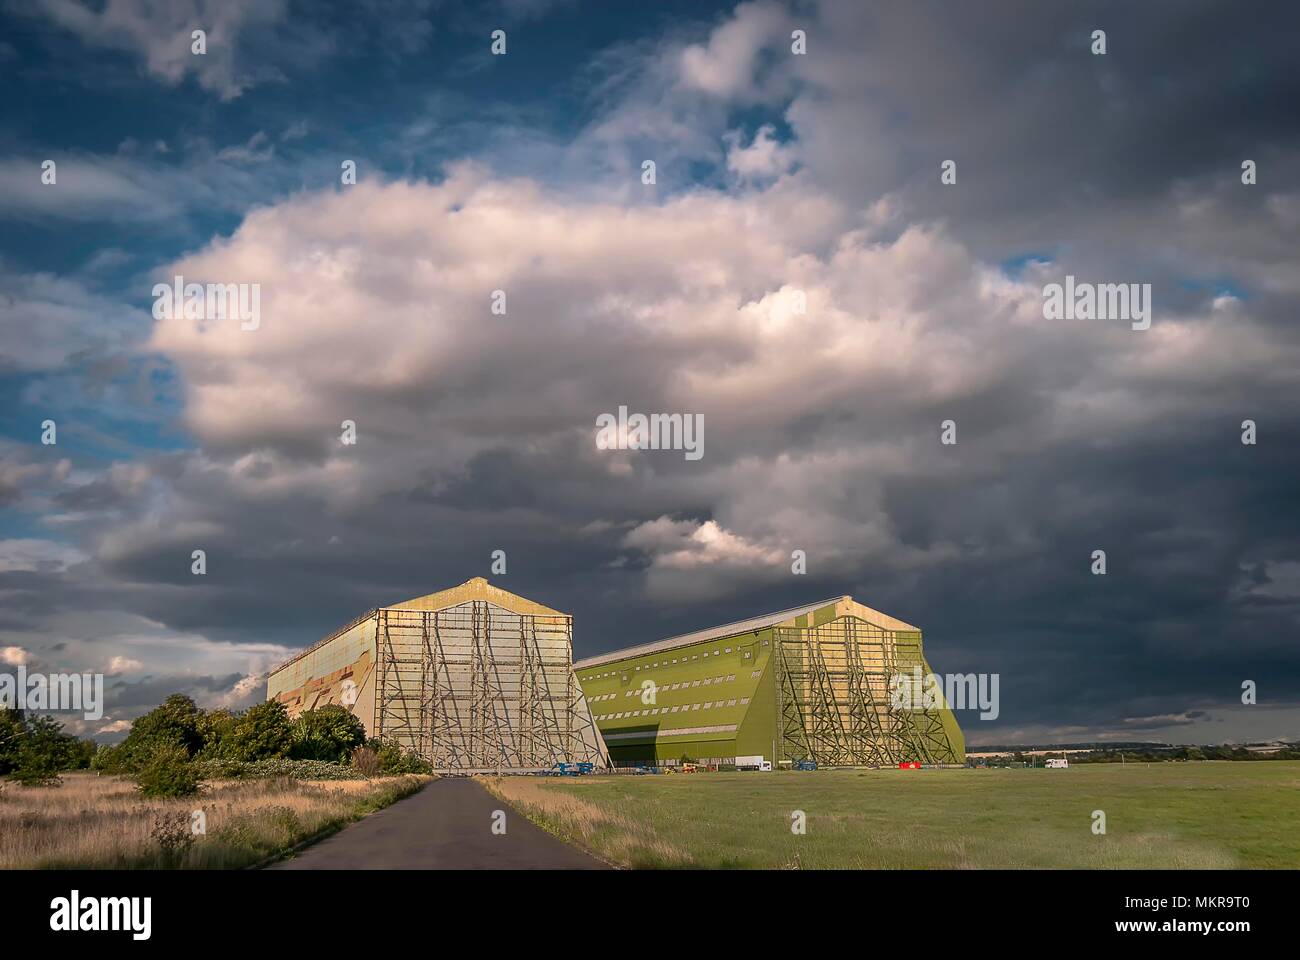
(176, 722)
(168, 772)
(44, 750)
(392, 760)
(109, 758)
(261, 732)
(329, 733)
(83, 752)
(12, 729)
(216, 728)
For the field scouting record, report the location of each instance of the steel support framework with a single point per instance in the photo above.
(833, 697)
(476, 687)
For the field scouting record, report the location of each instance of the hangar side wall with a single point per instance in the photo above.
(758, 733)
(949, 720)
(705, 694)
(317, 677)
(687, 717)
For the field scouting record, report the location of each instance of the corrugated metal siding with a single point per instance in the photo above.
(702, 694)
(498, 690)
(317, 677)
(683, 701)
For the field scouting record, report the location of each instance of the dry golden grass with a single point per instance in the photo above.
(102, 822)
(620, 839)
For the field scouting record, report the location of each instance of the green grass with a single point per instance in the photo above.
(1166, 815)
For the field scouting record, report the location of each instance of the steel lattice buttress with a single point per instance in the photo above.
(472, 678)
(833, 693)
(479, 687)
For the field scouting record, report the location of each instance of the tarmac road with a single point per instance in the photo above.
(446, 826)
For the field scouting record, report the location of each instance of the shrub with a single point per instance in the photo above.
(329, 733)
(173, 834)
(284, 820)
(36, 749)
(300, 769)
(168, 773)
(366, 761)
(261, 732)
(412, 762)
(280, 767)
(393, 760)
(218, 768)
(270, 828)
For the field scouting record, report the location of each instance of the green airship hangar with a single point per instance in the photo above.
(477, 679)
(810, 683)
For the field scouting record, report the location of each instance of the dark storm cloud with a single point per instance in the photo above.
(1055, 146)
(475, 431)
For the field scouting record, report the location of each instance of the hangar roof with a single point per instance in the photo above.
(848, 604)
(476, 588)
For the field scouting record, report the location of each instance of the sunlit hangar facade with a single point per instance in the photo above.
(473, 678)
(810, 683)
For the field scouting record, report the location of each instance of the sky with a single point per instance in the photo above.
(855, 210)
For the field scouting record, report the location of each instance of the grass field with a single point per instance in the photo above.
(1166, 815)
(102, 822)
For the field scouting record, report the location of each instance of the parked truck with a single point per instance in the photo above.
(753, 763)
